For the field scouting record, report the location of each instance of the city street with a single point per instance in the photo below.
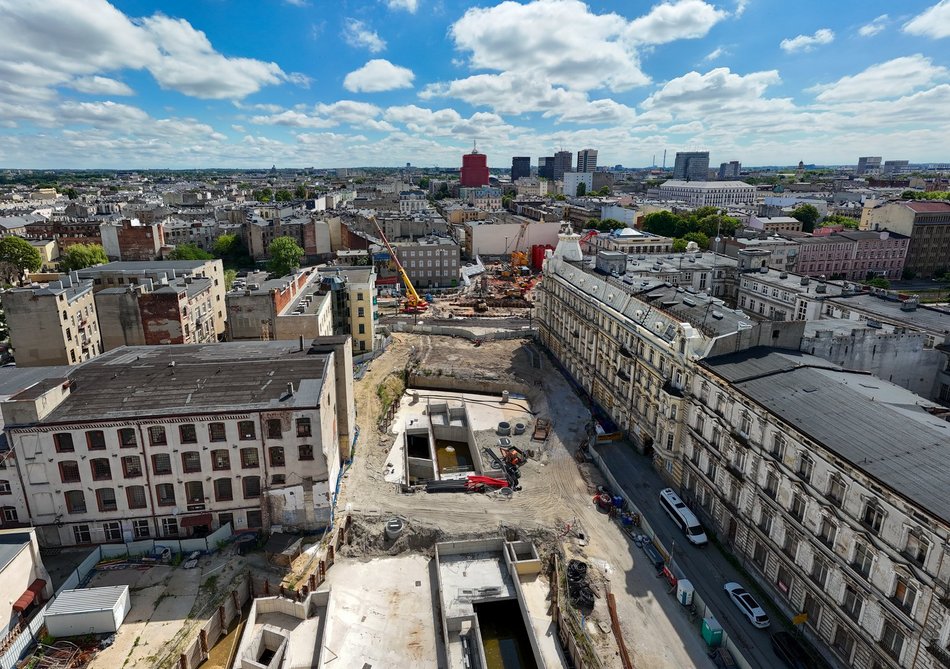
(705, 567)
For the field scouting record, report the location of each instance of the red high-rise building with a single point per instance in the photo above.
(474, 170)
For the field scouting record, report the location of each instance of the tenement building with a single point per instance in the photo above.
(831, 486)
(176, 441)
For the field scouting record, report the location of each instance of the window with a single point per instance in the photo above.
(716, 436)
(63, 442)
(249, 458)
(278, 479)
(112, 531)
(188, 433)
(161, 464)
(156, 436)
(892, 640)
(246, 430)
(127, 438)
(700, 425)
(805, 468)
(917, 547)
(216, 432)
(827, 532)
(765, 520)
(81, 534)
(361, 312)
(75, 501)
(843, 643)
(745, 425)
(798, 507)
(220, 460)
(771, 484)
(759, 555)
(905, 594)
(778, 446)
(169, 527)
(165, 494)
(95, 440)
(135, 494)
(812, 608)
(853, 603)
(819, 571)
(101, 469)
(873, 517)
(305, 452)
(222, 490)
(791, 544)
(274, 429)
(5, 488)
(225, 518)
(361, 329)
(69, 471)
(254, 519)
(704, 393)
(141, 529)
(863, 559)
(252, 486)
(194, 492)
(836, 490)
(105, 497)
(131, 466)
(191, 462)
(303, 427)
(277, 456)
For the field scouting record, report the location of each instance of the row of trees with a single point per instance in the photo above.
(707, 220)
(266, 194)
(932, 195)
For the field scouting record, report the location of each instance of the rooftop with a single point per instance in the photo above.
(928, 206)
(145, 266)
(793, 282)
(704, 185)
(11, 543)
(143, 381)
(854, 416)
(931, 319)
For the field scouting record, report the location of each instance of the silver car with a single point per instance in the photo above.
(747, 604)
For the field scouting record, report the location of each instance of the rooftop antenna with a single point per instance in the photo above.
(712, 281)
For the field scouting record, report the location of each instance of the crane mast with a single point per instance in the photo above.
(414, 303)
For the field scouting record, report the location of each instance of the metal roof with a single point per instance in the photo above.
(10, 546)
(86, 600)
(880, 428)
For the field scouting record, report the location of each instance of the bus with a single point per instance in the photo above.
(683, 517)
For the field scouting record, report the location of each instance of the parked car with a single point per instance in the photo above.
(790, 651)
(747, 604)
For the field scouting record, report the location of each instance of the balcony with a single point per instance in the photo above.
(621, 374)
(737, 473)
(942, 654)
(625, 352)
(741, 437)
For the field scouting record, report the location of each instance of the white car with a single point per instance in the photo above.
(747, 604)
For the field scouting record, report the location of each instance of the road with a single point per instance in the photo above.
(706, 567)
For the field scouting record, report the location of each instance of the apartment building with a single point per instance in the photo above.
(774, 223)
(430, 262)
(782, 252)
(130, 239)
(631, 241)
(925, 222)
(412, 201)
(632, 347)
(54, 324)
(779, 296)
(708, 193)
(289, 307)
(854, 255)
(353, 304)
(691, 165)
(798, 466)
(175, 441)
(485, 197)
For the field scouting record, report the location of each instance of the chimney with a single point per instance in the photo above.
(301, 343)
(290, 389)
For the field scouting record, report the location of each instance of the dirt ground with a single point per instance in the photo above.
(554, 505)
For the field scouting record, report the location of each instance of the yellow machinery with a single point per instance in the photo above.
(413, 304)
(519, 259)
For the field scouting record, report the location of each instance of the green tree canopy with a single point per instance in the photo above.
(679, 245)
(81, 256)
(838, 219)
(920, 195)
(603, 191)
(300, 192)
(879, 282)
(424, 183)
(702, 241)
(808, 215)
(581, 189)
(283, 195)
(189, 252)
(264, 195)
(661, 223)
(71, 193)
(229, 276)
(285, 256)
(18, 257)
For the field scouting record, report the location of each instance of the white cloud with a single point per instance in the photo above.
(409, 5)
(97, 85)
(874, 27)
(603, 111)
(670, 21)
(357, 34)
(933, 23)
(741, 6)
(717, 89)
(447, 122)
(808, 42)
(714, 54)
(378, 75)
(294, 119)
(348, 112)
(890, 79)
(101, 114)
(297, 3)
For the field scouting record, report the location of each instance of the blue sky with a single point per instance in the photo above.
(210, 83)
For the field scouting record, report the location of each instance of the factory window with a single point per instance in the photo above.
(161, 464)
(131, 466)
(63, 442)
(156, 436)
(194, 492)
(81, 534)
(75, 501)
(303, 427)
(220, 460)
(252, 486)
(165, 494)
(191, 462)
(69, 471)
(135, 494)
(170, 527)
(127, 438)
(222, 490)
(278, 479)
(305, 452)
(249, 458)
(101, 469)
(246, 430)
(277, 456)
(141, 529)
(105, 497)
(274, 428)
(216, 432)
(188, 434)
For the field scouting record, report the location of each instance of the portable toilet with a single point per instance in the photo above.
(712, 632)
(684, 592)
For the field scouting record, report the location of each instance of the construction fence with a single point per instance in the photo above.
(451, 331)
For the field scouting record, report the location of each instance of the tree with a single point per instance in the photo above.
(604, 191)
(581, 189)
(189, 252)
(560, 197)
(264, 195)
(838, 219)
(227, 246)
(661, 223)
(879, 282)
(285, 256)
(71, 193)
(679, 245)
(506, 201)
(608, 224)
(18, 257)
(283, 195)
(808, 215)
(424, 183)
(229, 276)
(300, 192)
(81, 256)
(702, 241)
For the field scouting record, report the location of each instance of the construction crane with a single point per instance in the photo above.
(414, 304)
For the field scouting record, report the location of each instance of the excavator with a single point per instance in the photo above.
(414, 304)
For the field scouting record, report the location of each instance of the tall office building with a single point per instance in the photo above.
(729, 170)
(587, 160)
(520, 167)
(691, 166)
(546, 167)
(563, 162)
(868, 164)
(474, 170)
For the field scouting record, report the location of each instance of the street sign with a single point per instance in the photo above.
(800, 619)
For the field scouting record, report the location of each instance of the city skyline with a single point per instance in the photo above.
(293, 83)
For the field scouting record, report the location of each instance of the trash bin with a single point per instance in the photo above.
(684, 592)
(712, 632)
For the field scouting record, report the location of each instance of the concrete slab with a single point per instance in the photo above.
(472, 577)
(382, 614)
(536, 597)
